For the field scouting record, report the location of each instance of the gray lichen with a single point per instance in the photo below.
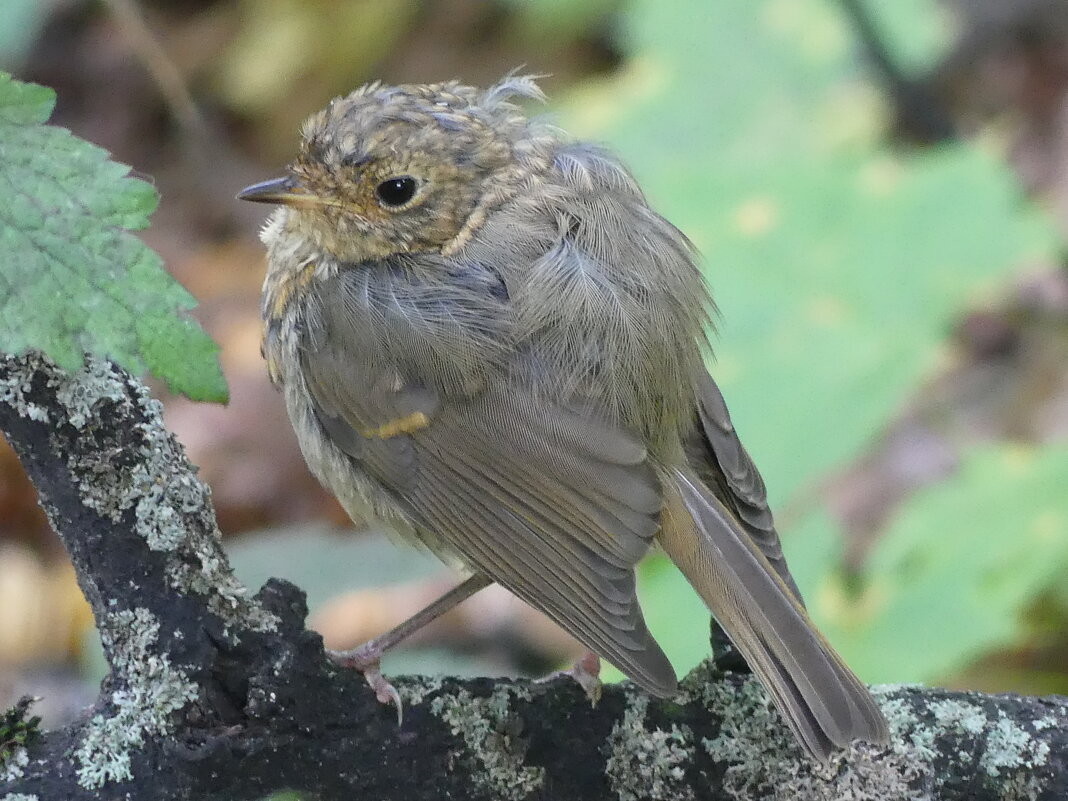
(415, 689)
(157, 485)
(1009, 747)
(19, 797)
(152, 484)
(151, 690)
(79, 391)
(950, 713)
(14, 388)
(644, 764)
(492, 734)
(1008, 752)
(1012, 749)
(1047, 722)
(14, 764)
(227, 599)
(762, 760)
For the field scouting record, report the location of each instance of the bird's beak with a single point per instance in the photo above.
(284, 191)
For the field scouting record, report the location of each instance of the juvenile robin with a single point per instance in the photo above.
(488, 340)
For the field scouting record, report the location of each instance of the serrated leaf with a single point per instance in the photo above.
(74, 279)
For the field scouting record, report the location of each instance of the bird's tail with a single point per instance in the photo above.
(820, 698)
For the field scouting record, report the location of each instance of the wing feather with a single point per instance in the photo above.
(722, 461)
(548, 500)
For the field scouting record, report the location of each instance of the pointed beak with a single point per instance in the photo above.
(283, 191)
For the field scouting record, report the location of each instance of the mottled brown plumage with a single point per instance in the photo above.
(487, 338)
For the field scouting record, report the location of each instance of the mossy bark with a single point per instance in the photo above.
(216, 694)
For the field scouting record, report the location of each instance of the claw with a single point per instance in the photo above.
(366, 659)
(585, 672)
(385, 692)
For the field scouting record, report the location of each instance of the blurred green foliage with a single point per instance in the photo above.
(282, 42)
(839, 265)
(75, 280)
(958, 569)
(838, 262)
(546, 21)
(22, 21)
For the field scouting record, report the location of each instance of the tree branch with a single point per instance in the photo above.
(921, 116)
(217, 695)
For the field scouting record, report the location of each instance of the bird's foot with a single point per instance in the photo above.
(726, 658)
(366, 659)
(586, 672)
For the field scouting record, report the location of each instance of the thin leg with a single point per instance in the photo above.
(366, 658)
(586, 672)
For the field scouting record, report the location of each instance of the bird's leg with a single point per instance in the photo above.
(366, 658)
(586, 672)
(725, 655)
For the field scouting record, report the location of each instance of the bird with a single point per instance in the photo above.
(487, 339)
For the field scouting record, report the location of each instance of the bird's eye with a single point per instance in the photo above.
(396, 191)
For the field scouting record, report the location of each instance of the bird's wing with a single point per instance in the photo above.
(719, 458)
(821, 700)
(718, 530)
(550, 501)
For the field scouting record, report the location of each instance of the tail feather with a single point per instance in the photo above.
(821, 700)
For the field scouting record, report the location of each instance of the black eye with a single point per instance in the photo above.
(396, 191)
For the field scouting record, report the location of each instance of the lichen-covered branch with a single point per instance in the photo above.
(216, 694)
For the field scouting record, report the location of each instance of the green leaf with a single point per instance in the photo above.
(74, 280)
(838, 263)
(954, 575)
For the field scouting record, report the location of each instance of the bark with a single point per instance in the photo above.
(218, 694)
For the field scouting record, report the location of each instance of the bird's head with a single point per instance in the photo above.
(409, 168)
